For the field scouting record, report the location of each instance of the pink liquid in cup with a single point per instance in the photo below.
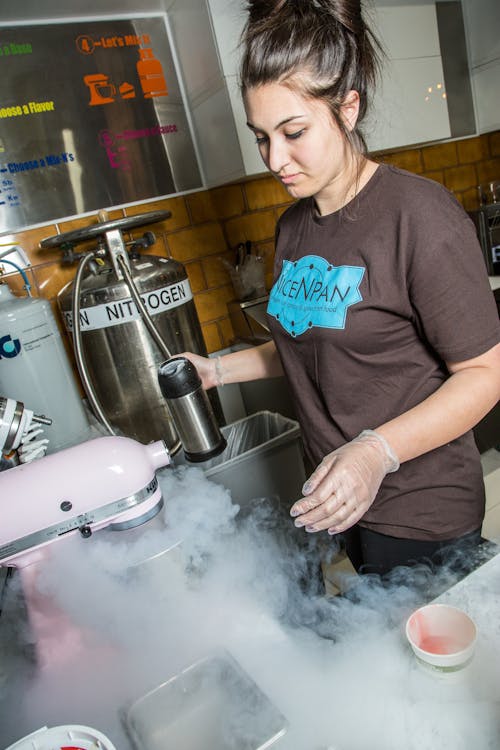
(440, 644)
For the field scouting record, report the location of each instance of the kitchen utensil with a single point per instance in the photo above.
(191, 410)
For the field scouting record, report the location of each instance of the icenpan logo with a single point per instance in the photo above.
(9, 347)
(312, 293)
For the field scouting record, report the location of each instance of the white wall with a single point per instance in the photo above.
(404, 110)
(482, 19)
(228, 18)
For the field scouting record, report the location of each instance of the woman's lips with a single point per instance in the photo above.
(287, 179)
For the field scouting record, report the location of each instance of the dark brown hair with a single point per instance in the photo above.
(327, 41)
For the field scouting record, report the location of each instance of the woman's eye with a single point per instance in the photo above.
(293, 136)
(259, 139)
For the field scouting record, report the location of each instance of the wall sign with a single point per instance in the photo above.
(91, 116)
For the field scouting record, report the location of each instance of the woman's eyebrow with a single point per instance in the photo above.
(279, 125)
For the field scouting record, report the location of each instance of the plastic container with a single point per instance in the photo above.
(442, 637)
(66, 737)
(263, 459)
(211, 705)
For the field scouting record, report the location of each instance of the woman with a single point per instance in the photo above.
(381, 312)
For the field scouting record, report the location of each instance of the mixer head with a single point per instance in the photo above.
(105, 482)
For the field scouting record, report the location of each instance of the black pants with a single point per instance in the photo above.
(371, 552)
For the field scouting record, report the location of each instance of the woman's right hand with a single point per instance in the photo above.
(205, 366)
(253, 363)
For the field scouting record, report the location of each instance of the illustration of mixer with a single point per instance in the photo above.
(102, 91)
(128, 312)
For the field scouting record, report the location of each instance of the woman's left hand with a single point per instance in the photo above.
(345, 484)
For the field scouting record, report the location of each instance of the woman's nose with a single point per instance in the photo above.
(277, 155)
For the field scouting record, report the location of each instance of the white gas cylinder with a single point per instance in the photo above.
(34, 368)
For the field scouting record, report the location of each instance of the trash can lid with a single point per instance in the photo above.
(67, 737)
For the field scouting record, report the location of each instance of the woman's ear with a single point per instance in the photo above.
(350, 109)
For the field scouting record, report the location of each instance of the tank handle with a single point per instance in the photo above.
(97, 230)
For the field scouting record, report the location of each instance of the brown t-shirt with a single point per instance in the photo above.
(367, 305)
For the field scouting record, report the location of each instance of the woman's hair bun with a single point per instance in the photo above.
(259, 10)
(328, 40)
(347, 12)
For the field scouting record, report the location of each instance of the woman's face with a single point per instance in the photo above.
(301, 144)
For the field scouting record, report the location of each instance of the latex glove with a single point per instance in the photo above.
(344, 485)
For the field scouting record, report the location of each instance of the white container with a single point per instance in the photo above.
(442, 637)
(34, 368)
(56, 738)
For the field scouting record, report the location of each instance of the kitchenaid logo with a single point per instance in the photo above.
(125, 310)
(312, 293)
(9, 347)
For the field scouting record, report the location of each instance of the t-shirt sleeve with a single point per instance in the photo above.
(448, 282)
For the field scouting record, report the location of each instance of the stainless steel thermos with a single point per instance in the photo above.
(191, 410)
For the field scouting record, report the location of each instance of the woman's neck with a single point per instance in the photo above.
(338, 195)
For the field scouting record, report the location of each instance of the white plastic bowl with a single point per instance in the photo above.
(442, 637)
(72, 735)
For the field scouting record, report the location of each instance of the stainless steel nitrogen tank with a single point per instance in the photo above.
(120, 355)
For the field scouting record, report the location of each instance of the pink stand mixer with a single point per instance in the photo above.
(106, 482)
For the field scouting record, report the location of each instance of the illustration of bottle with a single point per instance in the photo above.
(151, 74)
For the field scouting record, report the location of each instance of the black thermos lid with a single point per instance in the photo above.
(178, 377)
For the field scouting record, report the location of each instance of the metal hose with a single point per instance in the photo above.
(148, 322)
(77, 344)
(143, 311)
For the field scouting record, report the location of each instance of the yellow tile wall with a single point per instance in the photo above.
(206, 226)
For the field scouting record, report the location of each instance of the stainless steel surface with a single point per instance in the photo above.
(487, 222)
(121, 358)
(13, 428)
(198, 430)
(78, 346)
(116, 252)
(249, 321)
(191, 410)
(148, 322)
(101, 228)
(41, 419)
(258, 313)
(211, 705)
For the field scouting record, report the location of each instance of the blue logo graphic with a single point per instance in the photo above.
(311, 292)
(9, 347)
